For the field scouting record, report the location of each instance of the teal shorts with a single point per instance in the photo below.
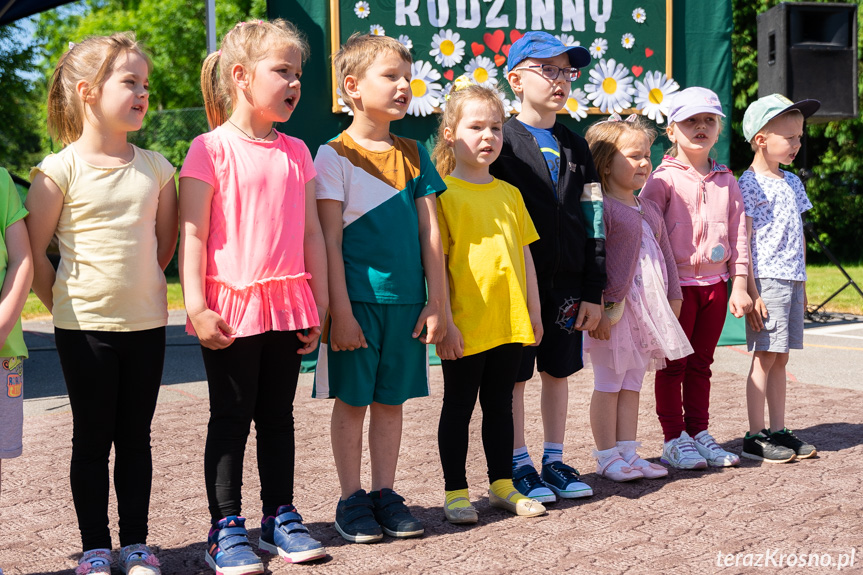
(391, 370)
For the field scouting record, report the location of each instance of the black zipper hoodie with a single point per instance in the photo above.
(565, 256)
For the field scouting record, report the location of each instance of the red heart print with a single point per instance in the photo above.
(505, 49)
(514, 35)
(449, 75)
(637, 70)
(499, 59)
(648, 52)
(493, 40)
(477, 48)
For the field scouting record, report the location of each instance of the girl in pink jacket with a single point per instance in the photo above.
(703, 211)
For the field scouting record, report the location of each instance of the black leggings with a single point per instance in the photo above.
(492, 374)
(113, 381)
(254, 379)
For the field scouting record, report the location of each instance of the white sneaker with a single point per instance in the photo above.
(681, 453)
(715, 455)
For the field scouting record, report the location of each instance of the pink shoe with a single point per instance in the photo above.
(615, 468)
(648, 469)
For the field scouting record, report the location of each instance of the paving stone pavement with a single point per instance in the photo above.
(681, 524)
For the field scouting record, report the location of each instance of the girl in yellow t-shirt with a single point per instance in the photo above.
(493, 303)
(113, 208)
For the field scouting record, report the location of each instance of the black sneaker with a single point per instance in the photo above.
(393, 515)
(763, 447)
(787, 438)
(355, 519)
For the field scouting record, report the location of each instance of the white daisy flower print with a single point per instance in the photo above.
(406, 41)
(377, 30)
(627, 41)
(427, 93)
(577, 104)
(568, 40)
(653, 96)
(361, 9)
(447, 48)
(598, 48)
(482, 71)
(639, 15)
(610, 86)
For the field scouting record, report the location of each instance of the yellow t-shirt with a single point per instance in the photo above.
(109, 277)
(484, 228)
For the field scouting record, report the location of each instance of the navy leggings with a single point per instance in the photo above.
(113, 381)
(254, 379)
(492, 375)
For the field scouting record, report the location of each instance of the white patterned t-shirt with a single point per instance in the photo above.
(775, 206)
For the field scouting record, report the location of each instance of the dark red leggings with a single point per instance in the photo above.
(683, 387)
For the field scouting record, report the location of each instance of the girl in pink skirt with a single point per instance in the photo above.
(642, 298)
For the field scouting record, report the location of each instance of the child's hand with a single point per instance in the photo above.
(538, 330)
(213, 331)
(589, 315)
(452, 344)
(739, 303)
(603, 330)
(434, 320)
(675, 305)
(756, 317)
(346, 335)
(310, 340)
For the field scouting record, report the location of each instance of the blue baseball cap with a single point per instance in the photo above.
(544, 45)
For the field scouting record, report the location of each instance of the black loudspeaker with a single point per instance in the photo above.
(809, 50)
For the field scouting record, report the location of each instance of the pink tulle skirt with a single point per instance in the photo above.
(647, 333)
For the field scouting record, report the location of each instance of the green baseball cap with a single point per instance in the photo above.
(765, 109)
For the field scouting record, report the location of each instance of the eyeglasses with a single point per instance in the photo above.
(552, 72)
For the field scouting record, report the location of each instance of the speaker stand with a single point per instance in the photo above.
(813, 313)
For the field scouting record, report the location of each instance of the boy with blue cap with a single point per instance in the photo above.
(554, 170)
(773, 200)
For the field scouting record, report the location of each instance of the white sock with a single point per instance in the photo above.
(552, 452)
(627, 448)
(520, 457)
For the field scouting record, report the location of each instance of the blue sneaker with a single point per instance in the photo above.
(355, 519)
(393, 515)
(527, 481)
(564, 480)
(286, 535)
(229, 551)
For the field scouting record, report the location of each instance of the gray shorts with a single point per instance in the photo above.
(11, 406)
(783, 328)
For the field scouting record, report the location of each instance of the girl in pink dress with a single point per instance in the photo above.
(253, 269)
(642, 279)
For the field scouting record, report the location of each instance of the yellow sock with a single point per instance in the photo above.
(453, 495)
(503, 487)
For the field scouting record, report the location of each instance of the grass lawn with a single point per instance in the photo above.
(823, 281)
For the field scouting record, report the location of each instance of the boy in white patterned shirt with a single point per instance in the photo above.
(774, 200)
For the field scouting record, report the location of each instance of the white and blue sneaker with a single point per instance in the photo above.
(284, 534)
(565, 481)
(228, 549)
(527, 481)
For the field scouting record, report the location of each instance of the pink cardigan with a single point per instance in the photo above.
(704, 217)
(623, 244)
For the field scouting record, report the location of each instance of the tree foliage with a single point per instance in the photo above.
(834, 149)
(20, 96)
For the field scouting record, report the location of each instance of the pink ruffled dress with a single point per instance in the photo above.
(647, 333)
(256, 277)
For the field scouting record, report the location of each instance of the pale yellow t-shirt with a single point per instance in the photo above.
(109, 277)
(484, 228)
